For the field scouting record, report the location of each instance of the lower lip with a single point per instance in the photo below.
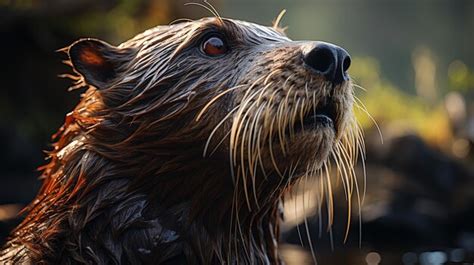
(317, 121)
(323, 120)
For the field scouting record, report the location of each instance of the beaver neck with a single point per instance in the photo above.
(183, 214)
(213, 221)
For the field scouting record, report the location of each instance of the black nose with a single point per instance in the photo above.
(329, 60)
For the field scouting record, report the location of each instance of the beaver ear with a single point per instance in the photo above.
(96, 60)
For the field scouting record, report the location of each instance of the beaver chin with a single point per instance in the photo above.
(311, 146)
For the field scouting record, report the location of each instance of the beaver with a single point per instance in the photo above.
(184, 145)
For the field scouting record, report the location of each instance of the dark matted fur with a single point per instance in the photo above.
(175, 157)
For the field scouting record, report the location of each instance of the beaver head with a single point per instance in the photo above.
(185, 143)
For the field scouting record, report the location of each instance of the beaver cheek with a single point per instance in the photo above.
(345, 118)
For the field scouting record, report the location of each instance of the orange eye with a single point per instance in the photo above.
(214, 46)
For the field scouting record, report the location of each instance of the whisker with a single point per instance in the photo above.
(210, 9)
(214, 99)
(308, 235)
(216, 128)
(370, 117)
(180, 20)
(213, 9)
(278, 19)
(358, 86)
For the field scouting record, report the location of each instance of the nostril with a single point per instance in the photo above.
(346, 63)
(328, 60)
(321, 59)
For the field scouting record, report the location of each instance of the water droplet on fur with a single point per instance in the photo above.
(144, 251)
(169, 236)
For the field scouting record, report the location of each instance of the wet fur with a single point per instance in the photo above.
(184, 159)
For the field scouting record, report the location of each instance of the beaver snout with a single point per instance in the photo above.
(329, 60)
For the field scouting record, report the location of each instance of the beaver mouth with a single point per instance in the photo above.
(323, 115)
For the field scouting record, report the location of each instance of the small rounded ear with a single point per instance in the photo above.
(97, 61)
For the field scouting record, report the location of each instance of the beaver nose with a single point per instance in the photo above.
(328, 60)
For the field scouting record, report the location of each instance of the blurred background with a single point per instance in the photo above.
(415, 59)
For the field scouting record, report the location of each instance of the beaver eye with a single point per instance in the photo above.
(214, 46)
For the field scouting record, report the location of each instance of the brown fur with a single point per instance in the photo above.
(172, 157)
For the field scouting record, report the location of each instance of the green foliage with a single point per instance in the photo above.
(460, 77)
(394, 109)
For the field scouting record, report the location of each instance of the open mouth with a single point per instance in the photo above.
(324, 115)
